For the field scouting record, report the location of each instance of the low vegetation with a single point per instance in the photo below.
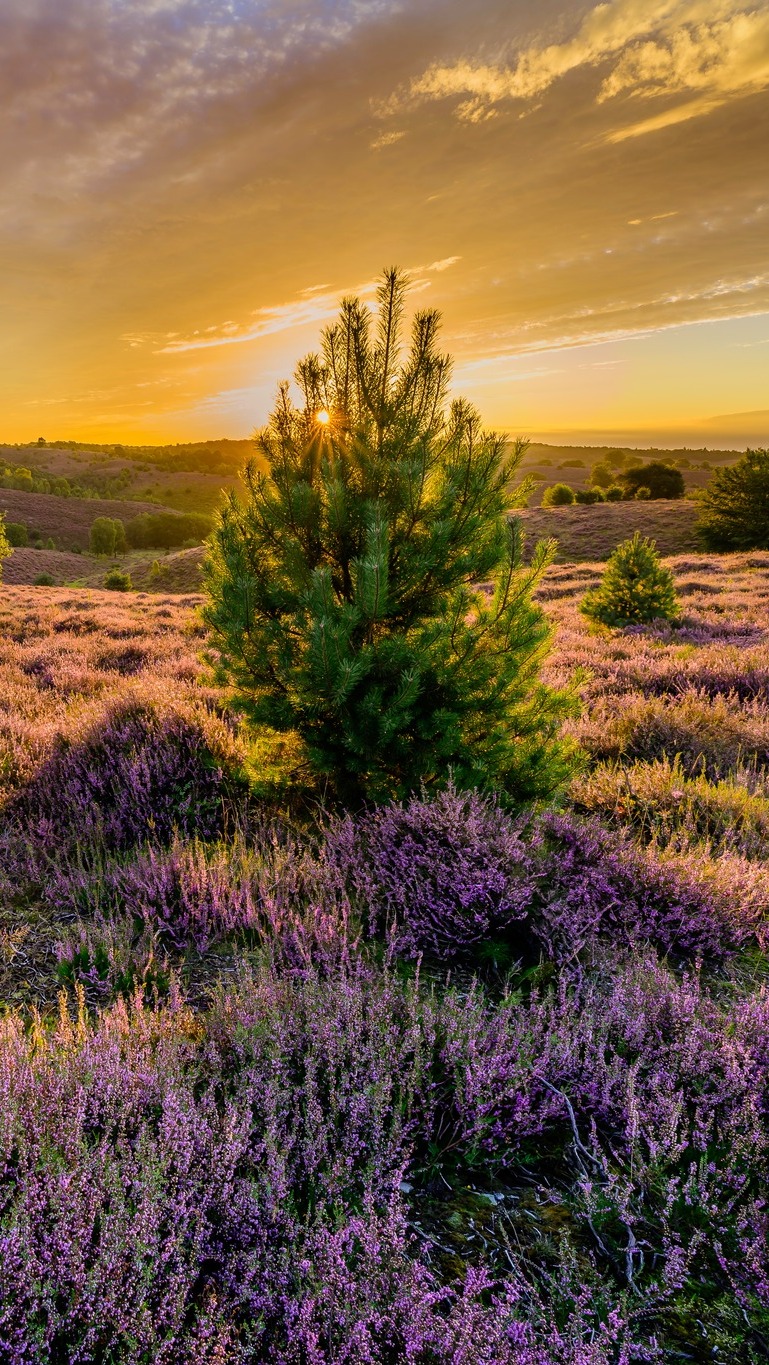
(250, 1026)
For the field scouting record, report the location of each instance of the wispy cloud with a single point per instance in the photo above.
(314, 306)
(657, 48)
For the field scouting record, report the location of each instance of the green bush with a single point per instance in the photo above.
(615, 459)
(615, 493)
(16, 534)
(44, 580)
(642, 494)
(735, 505)
(588, 496)
(662, 480)
(341, 595)
(558, 495)
(635, 589)
(107, 536)
(5, 547)
(118, 580)
(601, 476)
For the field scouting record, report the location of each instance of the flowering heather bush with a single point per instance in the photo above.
(446, 876)
(175, 1183)
(440, 875)
(269, 887)
(596, 884)
(143, 771)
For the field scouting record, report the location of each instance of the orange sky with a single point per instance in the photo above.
(188, 186)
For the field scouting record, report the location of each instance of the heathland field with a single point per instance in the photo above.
(427, 1084)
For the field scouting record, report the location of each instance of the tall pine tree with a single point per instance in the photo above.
(344, 594)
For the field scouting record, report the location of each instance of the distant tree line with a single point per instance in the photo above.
(654, 480)
(149, 530)
(24, 480)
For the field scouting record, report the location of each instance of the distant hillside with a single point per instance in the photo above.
(67, 521)
(592, 533)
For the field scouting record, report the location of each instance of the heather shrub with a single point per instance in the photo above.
(558, 495)
(267, 886)
(441, 875)
(635, 587)
(595, 884)
(141, 771)
(241, 1179)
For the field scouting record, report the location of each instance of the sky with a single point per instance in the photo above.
(189, 187)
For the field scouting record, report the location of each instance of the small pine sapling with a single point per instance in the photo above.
(344, 596)
(636, 587)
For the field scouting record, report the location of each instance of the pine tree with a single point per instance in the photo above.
(735, 505)
(636, 588)
(343, 592)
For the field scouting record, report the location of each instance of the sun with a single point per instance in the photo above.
(323, 417)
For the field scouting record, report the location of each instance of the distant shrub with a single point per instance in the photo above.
(107, 536)
(601, 476)
(588, 496)
(573, 464)
(615, 493)
(49, 544)
(44, 580)
(635, 588)
(16, 534)
(558, 495)
(642, 493)
(5, 545)
(615, 459)
(735, 505)
(662, 480)
(118, 580)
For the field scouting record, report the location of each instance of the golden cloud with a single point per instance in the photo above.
(718, 48)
